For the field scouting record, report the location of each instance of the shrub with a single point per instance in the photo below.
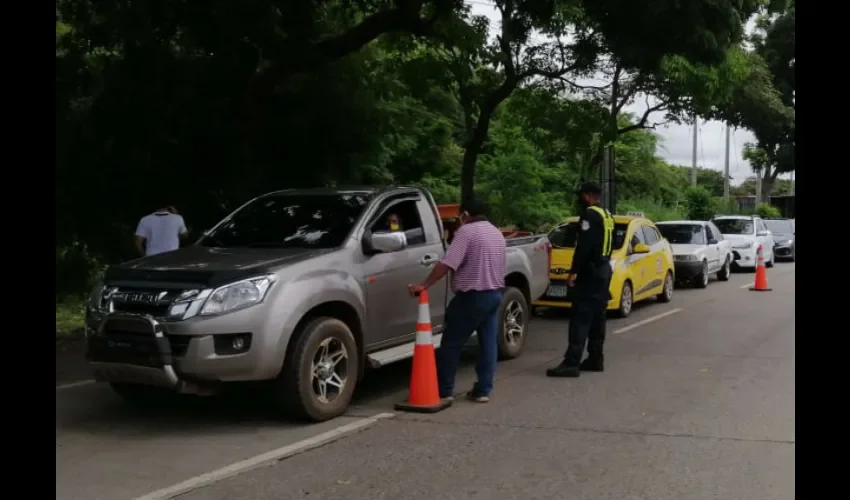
(654, 210)
(767, 211)
(700, 203)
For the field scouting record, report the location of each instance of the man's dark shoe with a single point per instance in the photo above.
(563, 370)
(593, 365)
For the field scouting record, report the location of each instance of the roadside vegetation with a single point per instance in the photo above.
(213, 105)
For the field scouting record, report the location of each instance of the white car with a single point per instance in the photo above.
(746, 233)
(699, 250)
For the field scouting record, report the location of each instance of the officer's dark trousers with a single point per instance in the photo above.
(587, 321)
(587, 327)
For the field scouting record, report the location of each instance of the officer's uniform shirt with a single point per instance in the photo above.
(593, 249)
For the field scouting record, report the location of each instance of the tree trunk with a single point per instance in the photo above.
(474, 142)
(470, 156)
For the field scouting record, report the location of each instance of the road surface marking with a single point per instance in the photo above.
(748, 285)
(264, 459)
(648, 320)
(71, 385)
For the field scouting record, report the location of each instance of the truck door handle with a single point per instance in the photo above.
(428, 259)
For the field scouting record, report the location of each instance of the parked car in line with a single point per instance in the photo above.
(297, 288)
(699, 250)
(746, 233)
(642, 262)
(784, 233)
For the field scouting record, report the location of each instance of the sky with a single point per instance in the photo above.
(676, 144)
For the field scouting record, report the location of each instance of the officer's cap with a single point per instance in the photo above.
(590, 188)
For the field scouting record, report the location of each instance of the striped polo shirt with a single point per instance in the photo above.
(477, 257)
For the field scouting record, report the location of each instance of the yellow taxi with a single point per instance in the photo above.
(642, 261)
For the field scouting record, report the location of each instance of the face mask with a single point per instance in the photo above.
(393, 226)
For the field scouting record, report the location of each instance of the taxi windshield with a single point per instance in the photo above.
(564, 236)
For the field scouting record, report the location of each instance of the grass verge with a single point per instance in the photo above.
(70, 319)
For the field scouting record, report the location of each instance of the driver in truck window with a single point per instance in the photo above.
(394, 222)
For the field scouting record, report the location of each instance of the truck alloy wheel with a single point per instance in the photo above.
(320, 371)
(514, 314)
(329, 369)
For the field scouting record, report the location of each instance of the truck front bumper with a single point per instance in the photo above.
(140, 349)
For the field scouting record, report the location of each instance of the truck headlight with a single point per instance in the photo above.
(237, 295)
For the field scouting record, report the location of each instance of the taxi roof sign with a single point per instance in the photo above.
(636, 214)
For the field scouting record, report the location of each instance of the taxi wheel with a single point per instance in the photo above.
(666, 294)
(626, 301)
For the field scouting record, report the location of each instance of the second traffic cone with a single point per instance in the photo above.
(761, 273)
(424, 394)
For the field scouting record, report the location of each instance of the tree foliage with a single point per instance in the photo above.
(206, 103)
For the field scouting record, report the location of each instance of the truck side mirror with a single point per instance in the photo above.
(385, 242)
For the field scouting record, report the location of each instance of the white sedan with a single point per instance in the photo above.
(747, 233)
(699, 250)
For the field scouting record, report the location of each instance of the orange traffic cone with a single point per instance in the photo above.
(761, 273)
(424, 395)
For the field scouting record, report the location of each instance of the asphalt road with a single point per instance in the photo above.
(697, 402)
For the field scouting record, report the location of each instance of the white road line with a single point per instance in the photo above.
(264, 459)
(71, 385)
(648, 320)
(748, 285)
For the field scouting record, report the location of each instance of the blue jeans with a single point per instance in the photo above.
(466, 313)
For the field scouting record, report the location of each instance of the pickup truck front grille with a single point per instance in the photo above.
(154, 302)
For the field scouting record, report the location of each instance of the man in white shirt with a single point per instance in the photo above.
(160, 232)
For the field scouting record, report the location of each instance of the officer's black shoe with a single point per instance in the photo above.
(563, 370)
(593, 365)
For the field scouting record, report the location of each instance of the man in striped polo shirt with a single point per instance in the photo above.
(476, 258)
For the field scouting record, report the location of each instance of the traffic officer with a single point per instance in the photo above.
(589, 280)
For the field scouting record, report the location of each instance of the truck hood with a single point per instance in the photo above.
(685, 249)
(208, 267)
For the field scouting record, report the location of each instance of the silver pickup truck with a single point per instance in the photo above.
(301, 289)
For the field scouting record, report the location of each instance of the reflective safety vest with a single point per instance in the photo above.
(608, 230)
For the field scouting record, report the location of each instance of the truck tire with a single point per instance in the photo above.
(514, 314)
(319, 375)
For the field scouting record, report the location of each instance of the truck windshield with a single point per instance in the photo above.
(290, 221)
(683, 234)
(564, 236)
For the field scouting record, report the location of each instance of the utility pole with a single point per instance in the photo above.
(694, 154)
(726, 166)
